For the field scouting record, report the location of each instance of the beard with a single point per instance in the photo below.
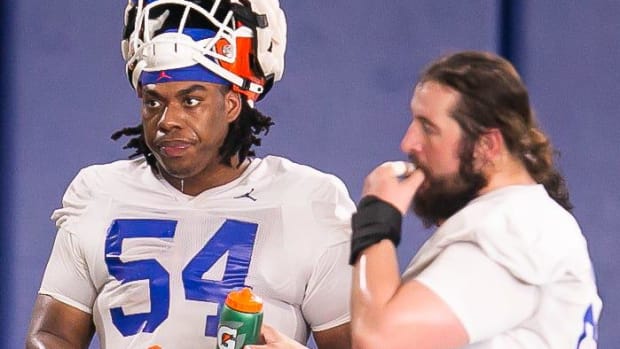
(440, 197)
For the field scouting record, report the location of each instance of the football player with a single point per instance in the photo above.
(508, 266)
(148, 248)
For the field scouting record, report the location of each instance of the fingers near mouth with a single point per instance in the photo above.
(400, 168)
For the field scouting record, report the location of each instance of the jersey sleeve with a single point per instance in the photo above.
(484, 296)
(327, 296)
(326, 304)
(66, 276)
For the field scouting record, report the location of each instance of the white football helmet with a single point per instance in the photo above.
(247, 48)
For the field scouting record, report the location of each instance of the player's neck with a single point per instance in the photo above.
(218, 175)
(509, 172)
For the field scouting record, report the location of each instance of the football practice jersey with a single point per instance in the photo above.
(152, 265)
(514, 267)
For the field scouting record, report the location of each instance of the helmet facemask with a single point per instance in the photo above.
(161, 35)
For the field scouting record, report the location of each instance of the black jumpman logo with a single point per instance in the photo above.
(246, 195)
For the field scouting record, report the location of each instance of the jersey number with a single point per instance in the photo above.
(234, 237)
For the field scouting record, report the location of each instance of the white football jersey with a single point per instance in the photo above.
(514, 267)
(152, 265)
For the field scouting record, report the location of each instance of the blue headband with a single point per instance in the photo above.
(195, 72)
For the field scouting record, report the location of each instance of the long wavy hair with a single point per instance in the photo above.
(492, 95)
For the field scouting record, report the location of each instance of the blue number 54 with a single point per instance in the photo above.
(235, 237)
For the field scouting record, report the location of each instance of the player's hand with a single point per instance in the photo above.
(394, 182)
(275, 340)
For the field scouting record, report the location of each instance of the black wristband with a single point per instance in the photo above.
(374, 221)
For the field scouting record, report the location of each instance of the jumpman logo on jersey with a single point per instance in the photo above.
(163, 75)
(246, 195)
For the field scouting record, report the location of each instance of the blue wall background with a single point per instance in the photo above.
(341, 107)
(5, 181)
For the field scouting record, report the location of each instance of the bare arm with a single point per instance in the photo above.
(387, 313)
(56, 325)
(334, 338)
(391, 314)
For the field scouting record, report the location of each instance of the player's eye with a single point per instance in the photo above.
(191, 101)
(151, 103)
(427, 128)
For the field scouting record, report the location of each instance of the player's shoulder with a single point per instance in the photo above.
(105, 179)
(302, 180)
(522, 216)
(113, 173)
(94, 184)
(118, 168)
(526, 209)
(286, 167)
(315, 202)
(525, 230)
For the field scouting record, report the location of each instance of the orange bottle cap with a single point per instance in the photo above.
(244, 300)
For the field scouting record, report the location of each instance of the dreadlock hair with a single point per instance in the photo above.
(243, 133)
(492, 95)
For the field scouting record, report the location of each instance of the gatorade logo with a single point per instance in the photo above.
(227, 337)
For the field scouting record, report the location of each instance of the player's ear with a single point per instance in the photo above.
(489, 145)
(232, 104)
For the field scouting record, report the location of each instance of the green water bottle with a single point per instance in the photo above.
(240, 320)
